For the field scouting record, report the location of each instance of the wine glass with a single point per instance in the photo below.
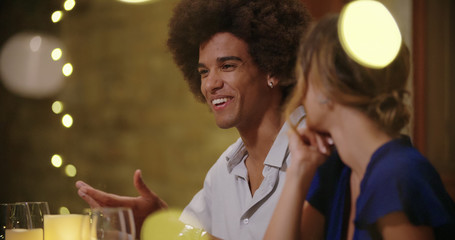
(112, 223)
(37, 212)
(15, 223)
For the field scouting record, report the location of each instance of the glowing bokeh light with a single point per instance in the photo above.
(165, 224)
(35, 43)
(69, 5)
(369, 34)
(67, 69)
(64, 210)
(56, 16)
(57, 107)
(56, 160)
(67, 120)
(56, 54)
(70, 170)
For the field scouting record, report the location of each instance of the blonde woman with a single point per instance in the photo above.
(375, 185)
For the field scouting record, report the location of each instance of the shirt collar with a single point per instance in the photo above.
(235, 156)
(279, 150)
(277, 153)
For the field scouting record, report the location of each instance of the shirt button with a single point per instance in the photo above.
(245, 221)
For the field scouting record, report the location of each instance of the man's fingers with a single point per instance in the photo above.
(92, 195)
(83, 192)
(91, 202)
(80, 184)
(139, 183)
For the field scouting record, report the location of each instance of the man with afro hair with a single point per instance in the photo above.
(238, 57)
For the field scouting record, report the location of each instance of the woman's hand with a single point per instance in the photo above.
(308, 149)
(143, 205)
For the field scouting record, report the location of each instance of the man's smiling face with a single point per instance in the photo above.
(231, 82)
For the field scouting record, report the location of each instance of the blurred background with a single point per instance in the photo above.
(110, 100)
(129, 104)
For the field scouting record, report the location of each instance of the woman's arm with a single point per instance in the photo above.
(294, 218)
(313, 222)
(397, 226)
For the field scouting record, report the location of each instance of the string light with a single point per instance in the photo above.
(69, 5)
(67, 120)
(56, 16)
(67, 69)
(56, 160)
(70, 170)
(56, 54)
(57, 107)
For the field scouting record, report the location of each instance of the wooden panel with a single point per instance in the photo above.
(419, 102)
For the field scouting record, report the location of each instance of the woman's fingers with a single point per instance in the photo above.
(325, 144)
(298, 143)
(322, 145)
(308, 136)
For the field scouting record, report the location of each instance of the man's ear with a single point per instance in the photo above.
(272, 81)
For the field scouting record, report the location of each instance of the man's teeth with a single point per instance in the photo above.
(219, 101)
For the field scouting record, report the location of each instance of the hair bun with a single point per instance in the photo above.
(390, 110)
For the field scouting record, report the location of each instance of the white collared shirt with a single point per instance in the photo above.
(225, 207)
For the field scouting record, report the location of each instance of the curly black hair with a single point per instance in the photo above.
(271, 28)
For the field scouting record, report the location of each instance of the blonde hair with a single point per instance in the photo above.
(378, 93)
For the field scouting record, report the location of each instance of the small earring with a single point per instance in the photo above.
(271, 84)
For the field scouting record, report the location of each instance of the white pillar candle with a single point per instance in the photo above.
(24, 234)
(63, 227)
